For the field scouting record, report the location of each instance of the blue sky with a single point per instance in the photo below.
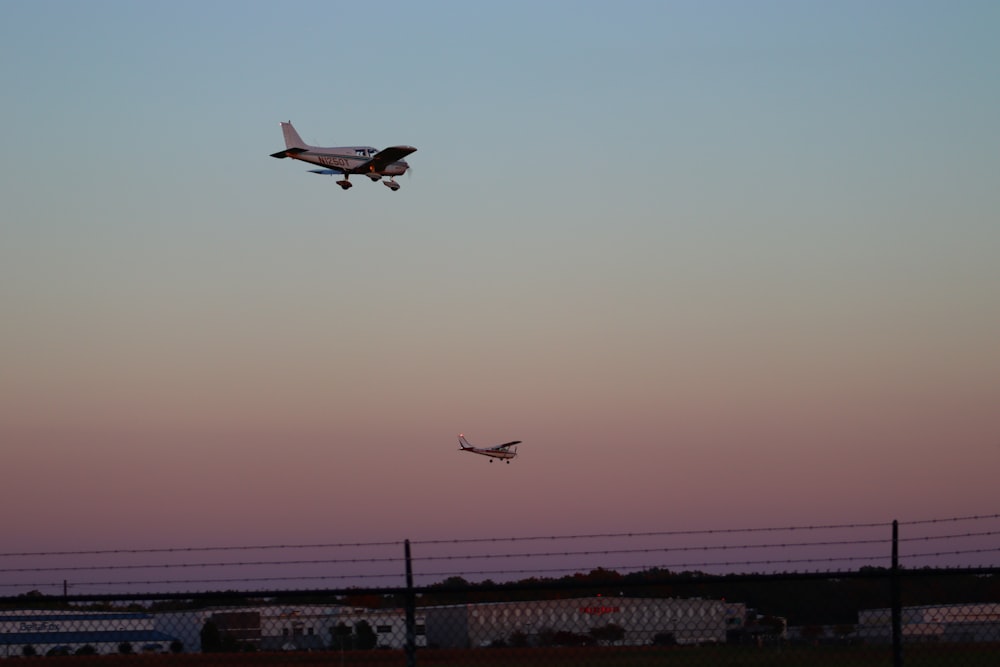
(722, 254)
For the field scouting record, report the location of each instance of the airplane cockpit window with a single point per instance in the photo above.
(361, 152)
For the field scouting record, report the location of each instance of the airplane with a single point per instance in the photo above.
(503, 451)
(347, 160)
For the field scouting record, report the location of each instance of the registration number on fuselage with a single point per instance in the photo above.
(332, 161)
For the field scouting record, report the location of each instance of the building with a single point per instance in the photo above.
(31, 632)
(536, 622)
(291, 627)
(976, 622)
(389, 625)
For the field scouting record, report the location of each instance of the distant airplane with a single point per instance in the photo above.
(506, 451)
(347, 160)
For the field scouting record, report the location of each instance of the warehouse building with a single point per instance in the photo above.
(30, 632)
(620, 620)
(976, 622)
(293, 627)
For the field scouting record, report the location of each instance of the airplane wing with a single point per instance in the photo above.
(507, 444)
(327, 172)
(384, 158)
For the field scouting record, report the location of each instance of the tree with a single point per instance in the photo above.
(365, 637)
(453, 590)
(551, 637)
(608, 634)
(775, 626)
(211, 639)
(454, 582)
(340, 637)
(664, 639)
(518, 639)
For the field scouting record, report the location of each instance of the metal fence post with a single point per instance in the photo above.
(411, 611)
(895, 600)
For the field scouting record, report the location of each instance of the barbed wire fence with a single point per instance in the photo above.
(867, 593)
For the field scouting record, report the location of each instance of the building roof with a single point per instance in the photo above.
(73, 616)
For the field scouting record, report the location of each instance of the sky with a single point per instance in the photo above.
(717, 264)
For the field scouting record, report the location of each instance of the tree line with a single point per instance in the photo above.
(803, 599)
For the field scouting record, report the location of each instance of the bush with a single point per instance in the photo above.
(664, 639)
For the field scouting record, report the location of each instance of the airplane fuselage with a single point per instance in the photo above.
(490, 452)
(350, 160)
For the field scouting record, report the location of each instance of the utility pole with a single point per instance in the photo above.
(411, 612)
(896, 600)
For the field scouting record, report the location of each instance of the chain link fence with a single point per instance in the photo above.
(682, 612)
(948, 617)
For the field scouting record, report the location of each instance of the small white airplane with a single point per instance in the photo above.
(347, 160)
(506, 451)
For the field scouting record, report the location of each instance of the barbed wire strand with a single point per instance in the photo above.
(772, 562)
(343, 561)
(387, 543)
(566, 570)
(690, 564)
(591, 552)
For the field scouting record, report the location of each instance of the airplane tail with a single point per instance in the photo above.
(463, 443)
(292, 138)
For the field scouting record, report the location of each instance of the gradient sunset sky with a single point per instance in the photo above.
(717, 264)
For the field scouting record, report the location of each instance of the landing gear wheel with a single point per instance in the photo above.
(345, 184)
